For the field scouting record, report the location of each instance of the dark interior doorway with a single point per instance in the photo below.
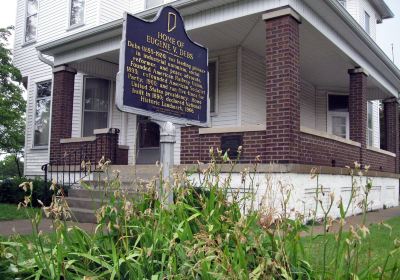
(148, 151)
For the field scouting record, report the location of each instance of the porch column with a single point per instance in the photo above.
(282, 85)
(62, 108)
(358, 109)
(391, 110)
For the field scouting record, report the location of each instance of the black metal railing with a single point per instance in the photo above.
(75, 161)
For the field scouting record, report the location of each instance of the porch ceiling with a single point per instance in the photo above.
(322, 63)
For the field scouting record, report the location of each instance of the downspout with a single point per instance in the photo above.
(45, 60)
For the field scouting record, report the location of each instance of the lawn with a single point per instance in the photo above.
(10, 212)
(373, 251)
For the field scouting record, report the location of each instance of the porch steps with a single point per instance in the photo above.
(83, 203)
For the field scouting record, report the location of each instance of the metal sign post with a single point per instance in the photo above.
(167, 143)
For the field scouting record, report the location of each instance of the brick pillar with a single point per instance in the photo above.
(62, 107)
(391, 110)
(358, 109)
(282, 85)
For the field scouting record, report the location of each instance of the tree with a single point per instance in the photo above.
(12, 104)
(9, 168)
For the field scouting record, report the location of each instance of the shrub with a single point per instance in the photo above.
(10, 192)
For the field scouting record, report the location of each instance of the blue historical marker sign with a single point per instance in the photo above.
(163, 73)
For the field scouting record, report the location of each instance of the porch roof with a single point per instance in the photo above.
(352, 40)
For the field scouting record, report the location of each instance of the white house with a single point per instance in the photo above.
(298, 82)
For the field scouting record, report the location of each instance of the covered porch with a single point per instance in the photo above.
(283, 86)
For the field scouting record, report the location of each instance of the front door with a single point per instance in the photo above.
(148, 151)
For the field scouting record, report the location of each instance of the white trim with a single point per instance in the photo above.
(76, 25)
(77, 139)
(381, 151)
(282, 12)
(328, 136)
(217, 130)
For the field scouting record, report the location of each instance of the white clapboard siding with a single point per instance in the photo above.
(376, 124)
(365, 6)
(227, 88)
(320, 110)
(353, 8)
(77, 110)
(307, 104)
(112, 10)
(253, 101)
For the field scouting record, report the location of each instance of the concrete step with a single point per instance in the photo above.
(85, 203)
(83, 215)
(98, 194)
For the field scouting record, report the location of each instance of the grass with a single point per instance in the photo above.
(9, 212)
(374, 250)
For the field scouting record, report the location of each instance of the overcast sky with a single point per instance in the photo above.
(388, 33)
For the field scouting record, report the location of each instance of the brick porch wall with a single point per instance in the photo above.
(326, 152)
(105, 144)
(380, 162)
(196, 147)
(313, 150)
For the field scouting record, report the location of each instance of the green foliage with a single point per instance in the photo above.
(9, 167)
(203, 235)
(12, 104)
(12, 193)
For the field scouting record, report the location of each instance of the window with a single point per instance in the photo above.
(370, 124)
(153, 3)
(77, 10)
(367, 20)
(338, 115)
(96, 105)
(31, 20)
(42, 113)
(213, 85)
(343, 3)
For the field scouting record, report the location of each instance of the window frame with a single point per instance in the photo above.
(26, 20)
(36, 82)
(110, 100)
(216, 61)
(76, 25)
(367, 22)
(370, 108)
(330, 114)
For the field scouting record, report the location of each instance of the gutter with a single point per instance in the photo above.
(347, 18)
(45, 60)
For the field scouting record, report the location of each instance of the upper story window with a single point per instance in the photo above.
(213, 86)
(154, 3)
(42, 114)
(367, 20)
(31, 20)
(77, 12)
(343, 2)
